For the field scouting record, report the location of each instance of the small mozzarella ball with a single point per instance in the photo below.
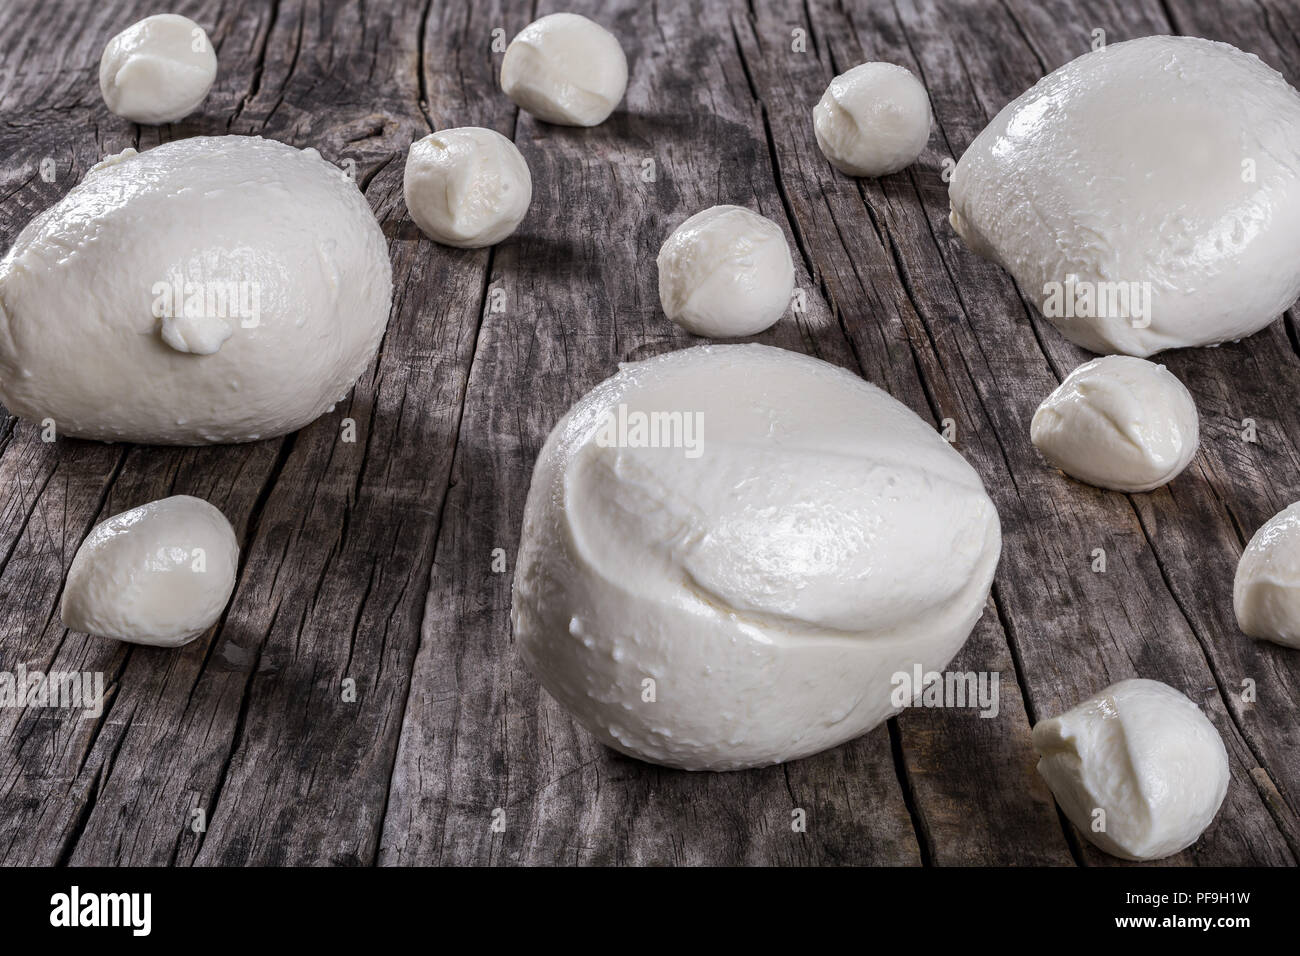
(1137, 768)
(1118, 422)
(1266, 591)
(566, 70)
(467, 187)
(158, 70)
(158, 574)
(873, 120)
(725, 272)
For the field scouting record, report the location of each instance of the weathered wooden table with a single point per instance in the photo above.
(373, 561)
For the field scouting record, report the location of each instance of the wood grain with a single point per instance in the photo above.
(379, 562)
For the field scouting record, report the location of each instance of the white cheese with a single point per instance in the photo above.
(214, 289)
(873, 120)
(1118, 422)
(467, 187)
(1146, 196)
(158, 574)
(565, 69)
(730, 553)
(1266, 591)
(1137, 768)
(157, 70)
(725, 272)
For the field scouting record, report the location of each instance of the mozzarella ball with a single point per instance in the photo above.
(214, 289)
(157, 70)
(730, 552)
(873, 120)
(725, 272)
(565, 69)
(1145, 196)
(1118, 422)
(1146, 757)
(158, 574)
(466, 187)
(1266, 590)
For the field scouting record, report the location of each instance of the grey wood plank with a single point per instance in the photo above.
(1246, 483)
(1126, 621)
(349, 529)
(951, 757)
(373, 561)
(56, 491)
(1197, 528)
(581, 291)
(248, 724)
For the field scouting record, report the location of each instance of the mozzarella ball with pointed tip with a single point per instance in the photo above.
(1160, 175)
(1118, 422)
(160, 574)
(725, 272)
(565, 69)
(873, 120)
(467, 187)
(1145, 756)
(157, 70)
(729, 552)
(1266, 590)
(211, 289)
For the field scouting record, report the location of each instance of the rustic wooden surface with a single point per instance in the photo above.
(373, 561)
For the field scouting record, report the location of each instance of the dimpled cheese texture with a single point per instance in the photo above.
(158, 574)
(873, 120)
(157, 70)
(1143, 754)
(565, 69)
(215, 289)
(745, 593)
(1163, 171)
(467, 187)
(1118, 422)
(1266, 590)
(725, 272)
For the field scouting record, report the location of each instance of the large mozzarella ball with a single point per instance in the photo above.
(565, 69)
(158, 574)
(1266, 590)
(467, 187)
(873, 120)
(729, 554)
(1118, 422)
(1137, 768)
(1146, 196)
(215, 289)
(725, 272)
(157, 70)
